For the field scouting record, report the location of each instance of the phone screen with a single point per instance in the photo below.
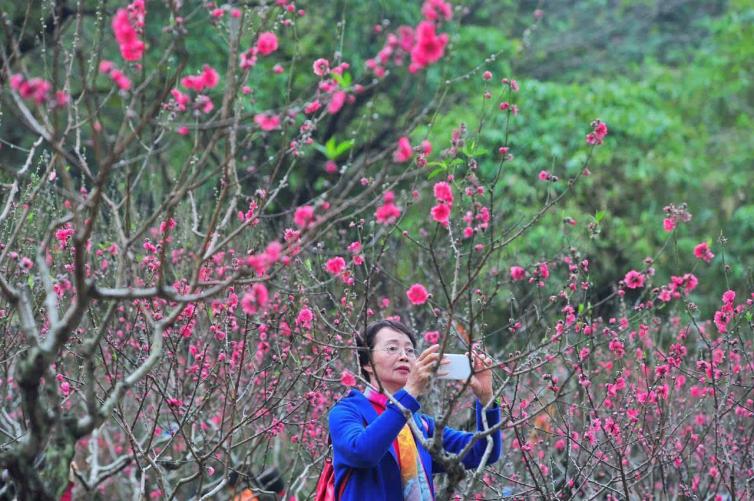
(458, 368)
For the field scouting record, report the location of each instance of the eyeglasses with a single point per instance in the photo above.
(393, 351)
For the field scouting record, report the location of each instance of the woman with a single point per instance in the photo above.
(375, 454)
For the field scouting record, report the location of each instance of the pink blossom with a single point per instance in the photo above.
(487, 75)
(181, 99)
(703, 252)
(267, 43)
(426, 147)
(106, 66)
(331, 167)
(431, 337)
(210, 77)
(26, 263)
(120, 79)
(305, 318)
(267, 121)
(599, 131)
(634, 279)
(336, 102)
(443, 192)
(303, 216)
(336, 265)
(255, 299)
(388, 213)
(354, 247)
(441, 214)
(728, 297)
(543, 270)
(312, 107)
(669, 224)
(347, 379)
(517, 273)
(404, 151)
(616, 346)
(429, 47)
(433, 10)
(65, 388)
(544, 175)
(417, 294)
(124, 25)
(321, 67)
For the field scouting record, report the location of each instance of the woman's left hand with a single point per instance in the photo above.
(481, 381)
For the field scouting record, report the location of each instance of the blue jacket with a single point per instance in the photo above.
(363, 444)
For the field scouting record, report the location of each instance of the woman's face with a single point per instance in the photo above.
(393, 357)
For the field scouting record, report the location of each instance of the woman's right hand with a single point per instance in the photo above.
(422, 371)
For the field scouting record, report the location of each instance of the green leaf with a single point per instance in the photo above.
(436, 172)
(343, 147)
(599, 215)
(332, 149)
(343, 80)
(30, 281)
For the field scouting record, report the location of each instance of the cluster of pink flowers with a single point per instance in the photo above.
(255, 299)
(444, 197)
(599, 131)
(422, 44)
(725, 314)
(337, 266)
(674, 215)
(267, 121)
(38, 90)
(208, 78)
(388, 212)
(127, 26)
(267, 43)
(117, 76)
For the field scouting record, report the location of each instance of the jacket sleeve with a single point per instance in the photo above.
(454, 441)
(360, 446)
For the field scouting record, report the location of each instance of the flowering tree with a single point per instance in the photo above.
(190, 245)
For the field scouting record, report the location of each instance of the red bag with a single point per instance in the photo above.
(326, 483)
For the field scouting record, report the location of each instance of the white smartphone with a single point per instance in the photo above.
(458, 368)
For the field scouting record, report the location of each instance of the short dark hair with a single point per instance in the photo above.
(365, 341)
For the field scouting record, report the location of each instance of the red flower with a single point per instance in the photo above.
(417, 294)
